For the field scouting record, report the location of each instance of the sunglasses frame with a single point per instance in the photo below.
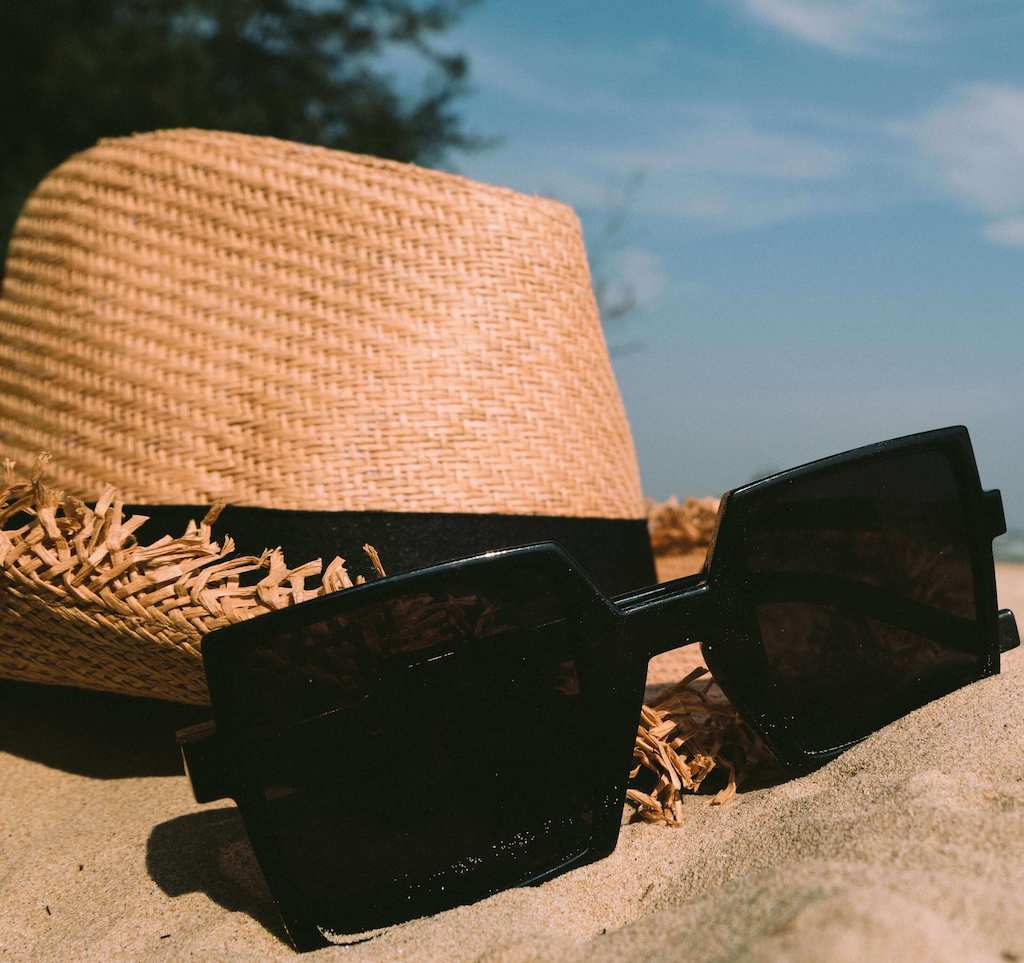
(612, 685)
(617, 637)
(985, 520)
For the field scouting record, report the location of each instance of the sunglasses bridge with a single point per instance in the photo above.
(667, 616)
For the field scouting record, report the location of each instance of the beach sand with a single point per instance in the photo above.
(908, 847)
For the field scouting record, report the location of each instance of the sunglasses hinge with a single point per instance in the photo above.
(1008, 636)
(202, 753)
(993, 500)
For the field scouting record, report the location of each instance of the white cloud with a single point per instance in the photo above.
(729, 144)
(510, 79)
(714, 200)
(717, 166)
(973, 145)
(731, 205)
(641, 274)
(720, 165)
(844, 26)
(1009, 231)
(569, 78)
(712, 165)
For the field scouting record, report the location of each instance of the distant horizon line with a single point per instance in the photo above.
(1009, 547)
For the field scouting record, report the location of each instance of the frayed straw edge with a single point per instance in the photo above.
(689, 733)
(681, 528)
(91, 558)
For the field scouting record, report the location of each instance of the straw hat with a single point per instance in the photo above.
(343, 349)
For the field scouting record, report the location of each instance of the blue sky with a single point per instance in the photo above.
(824, 214)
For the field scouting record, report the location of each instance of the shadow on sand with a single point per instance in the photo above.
(209, 852)
(95, 734)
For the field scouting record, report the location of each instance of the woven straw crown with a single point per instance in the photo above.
(191, 315)
(194, 316)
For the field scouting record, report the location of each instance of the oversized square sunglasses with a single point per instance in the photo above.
(431, 738)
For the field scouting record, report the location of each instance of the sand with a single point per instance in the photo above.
(1010, 588)
(910, 846)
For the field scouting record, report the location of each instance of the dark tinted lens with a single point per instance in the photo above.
(419, 750)
(859, 584)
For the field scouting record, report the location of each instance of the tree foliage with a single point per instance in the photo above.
(316, 71)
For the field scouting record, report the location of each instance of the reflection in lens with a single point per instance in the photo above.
(420, 749)
(859, 586)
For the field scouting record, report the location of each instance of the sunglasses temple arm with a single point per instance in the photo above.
(1008, 635)
(205, 765)
(667, 617)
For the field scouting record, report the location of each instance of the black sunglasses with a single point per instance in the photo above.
(429, 739)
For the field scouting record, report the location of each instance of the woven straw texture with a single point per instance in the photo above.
(84, 602)
(191, 316)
